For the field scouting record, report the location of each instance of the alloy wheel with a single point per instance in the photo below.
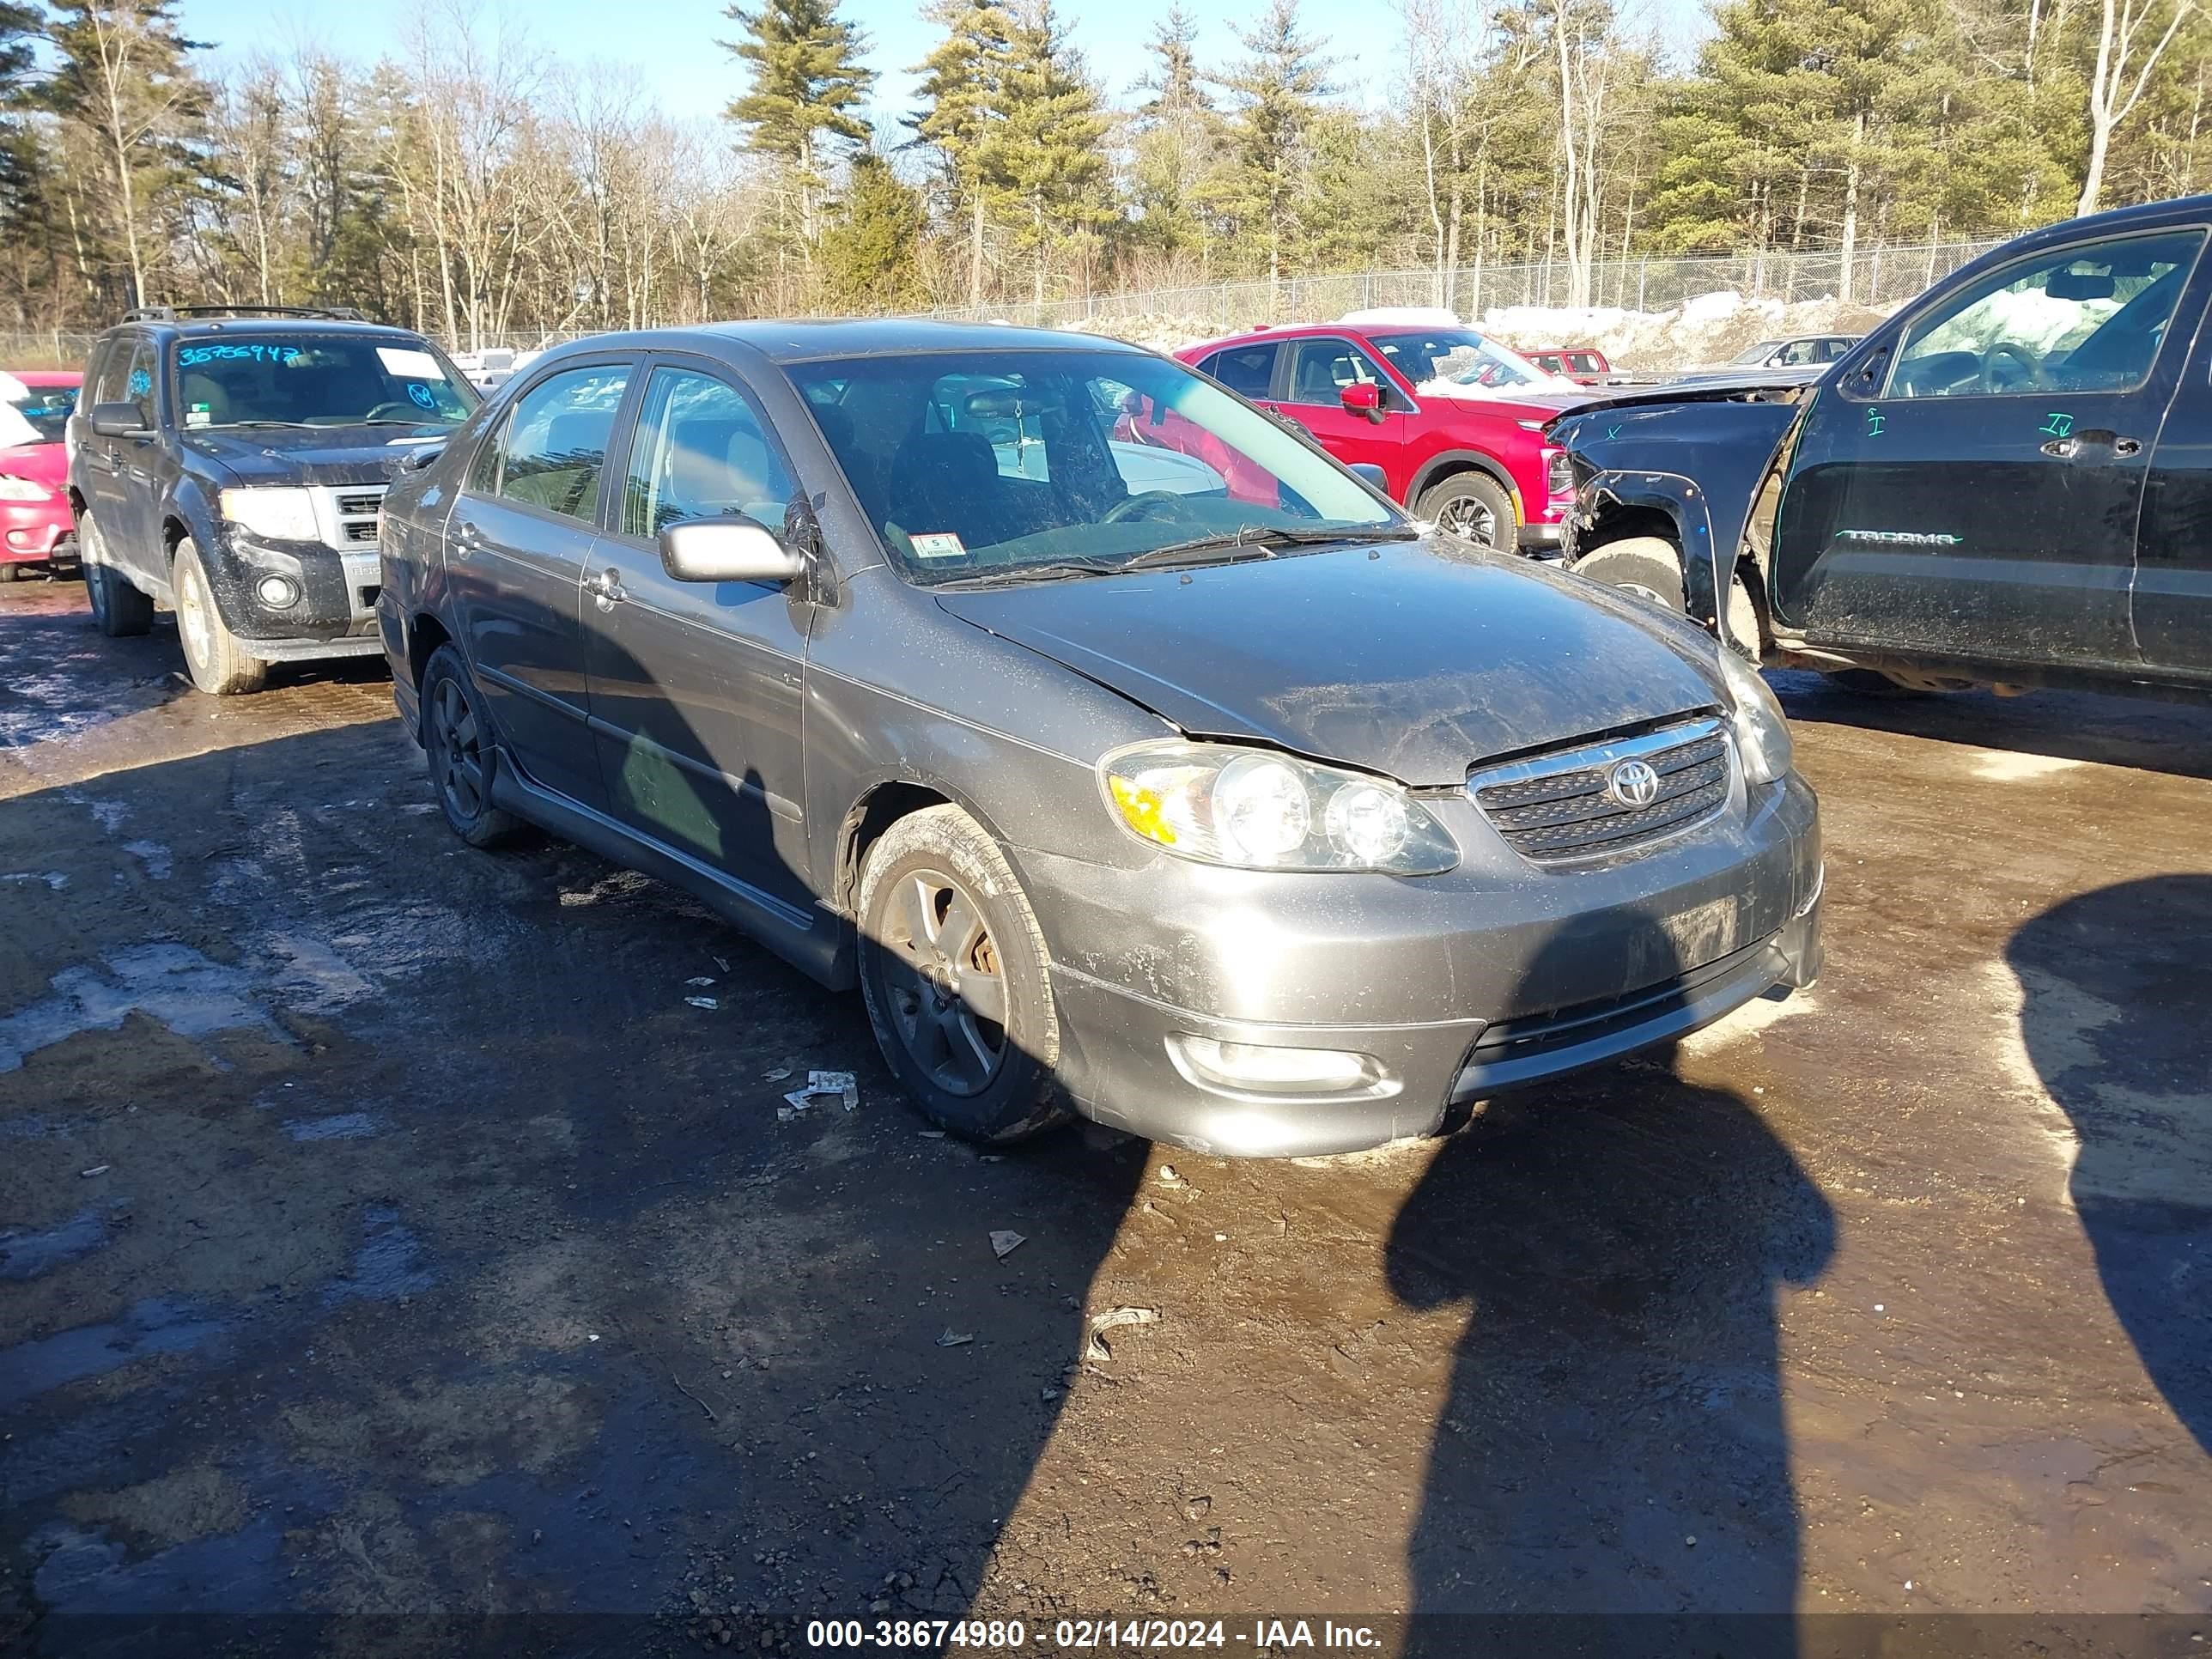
(192, 619)
(457, 750)
(947, 994)
(1470, 519)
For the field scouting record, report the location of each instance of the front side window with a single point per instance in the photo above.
(555, 443)
(319, 379)
(2089, 318)
(700, 454)
(1321, 369)
(981, 465)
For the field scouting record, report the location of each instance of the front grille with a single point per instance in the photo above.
(1560, 807)
(346, 514)
(1533, 1036)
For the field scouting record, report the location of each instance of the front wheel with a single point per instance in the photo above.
(1473, 507)
(118, 610)
(219, 662)
(952, 969)
(1650, 569)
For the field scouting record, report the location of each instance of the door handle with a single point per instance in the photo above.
(606, 588)
(2065, 449)
(466, 538)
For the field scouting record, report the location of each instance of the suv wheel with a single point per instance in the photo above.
(1472, 506)
(220, 664)
(118, 610)
(952, 969)
(457, 743)
(1650, 567)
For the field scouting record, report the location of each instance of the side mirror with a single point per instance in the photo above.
(1362, 398)
(1369, 473)
(118, 420)
(728, 550)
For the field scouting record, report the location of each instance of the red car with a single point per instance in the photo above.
(1583, 365)
(36, 525)
(1454, 420)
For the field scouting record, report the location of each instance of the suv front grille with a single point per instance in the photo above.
(1562, 806)
(346, 514)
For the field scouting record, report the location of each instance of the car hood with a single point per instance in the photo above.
(1738, 374)
(1403, 659)
(1536, 404)
(315, 455)
(46, 463)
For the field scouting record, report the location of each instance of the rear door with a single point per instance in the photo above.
(1313, 385)
(697, 687)
(2172, 602)
(517, 546)
(1969, 491)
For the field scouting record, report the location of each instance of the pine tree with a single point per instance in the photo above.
(1049, 160)
(807, 87)
(963, 94)
(1173, 138)
(871, 243)
(124, 87)
(1274, 92)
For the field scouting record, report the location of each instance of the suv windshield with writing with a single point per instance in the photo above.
(314, 380)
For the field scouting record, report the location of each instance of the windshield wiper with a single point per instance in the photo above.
(1259, 538)
(1009, 575)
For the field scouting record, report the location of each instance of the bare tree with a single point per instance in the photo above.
(2122, 34)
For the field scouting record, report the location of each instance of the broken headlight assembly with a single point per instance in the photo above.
(1762, 735)
(1255, 809)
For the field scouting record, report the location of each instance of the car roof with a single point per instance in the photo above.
(199, 328)
(808, 340)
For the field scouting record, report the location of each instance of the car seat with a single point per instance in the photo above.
(943, 480)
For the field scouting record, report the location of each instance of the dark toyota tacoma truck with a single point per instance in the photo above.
(2008, 483)
(231, 464)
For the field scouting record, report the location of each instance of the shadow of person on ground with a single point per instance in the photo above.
(2116, 1017)
(1614, 1441)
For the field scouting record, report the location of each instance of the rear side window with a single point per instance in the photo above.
(555, 447)
(1249, 371)
(138, 382)
(700, 454)
(112, 382)
(1586, 362)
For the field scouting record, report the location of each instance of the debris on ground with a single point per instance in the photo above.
(1004, 1244)
(776, 1073)
(1168, 1175)
(953, 1338)
(700, 980)
(703, 1002)
(842, 1085)
(1112, 1319)
(102, 1169)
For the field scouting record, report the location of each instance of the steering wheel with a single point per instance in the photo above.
(2029, 370)
(1136, 505)
(403, 411)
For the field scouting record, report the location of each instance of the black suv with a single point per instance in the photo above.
(2008, 483)
(231, 464)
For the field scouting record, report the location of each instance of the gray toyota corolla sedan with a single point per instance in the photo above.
(1130, 754)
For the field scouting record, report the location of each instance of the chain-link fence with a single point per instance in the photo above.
(1879, 277)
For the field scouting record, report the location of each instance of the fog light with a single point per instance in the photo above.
(19, 538)
(277, 592)
(1263, 1068)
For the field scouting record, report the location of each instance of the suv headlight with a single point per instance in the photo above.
(282, 516)
(1254, 809)
(1762, 735)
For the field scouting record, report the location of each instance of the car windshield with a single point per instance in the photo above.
(1756, 353)
(317, 380)
(46, 408)
(1031, 465)
(1459, 357)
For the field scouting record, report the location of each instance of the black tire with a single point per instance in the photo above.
(1473, 507)
(458, 746)
(1651, 568)
(11, 571)
(952, 969)
(217, 659)
(1871, 683)
(119, 611)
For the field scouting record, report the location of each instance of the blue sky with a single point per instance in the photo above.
(671, 43)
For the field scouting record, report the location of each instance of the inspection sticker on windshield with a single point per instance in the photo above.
(938, 544)
(406, 364)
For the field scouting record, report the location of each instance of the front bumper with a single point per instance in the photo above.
(1541, 538)
(1450, 988)
(334, 613)
(30, 531)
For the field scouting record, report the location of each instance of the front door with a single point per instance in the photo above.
(696, 686)
(1313, 396)
(517, 546)
(1968, 489)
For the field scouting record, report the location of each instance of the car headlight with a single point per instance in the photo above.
(282, 516)
(23, 490)
(1762, 735)
(1253, 809)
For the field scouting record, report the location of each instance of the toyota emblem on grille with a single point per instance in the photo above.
(1633, 783)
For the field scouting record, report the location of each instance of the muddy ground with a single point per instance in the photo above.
(383, 1231)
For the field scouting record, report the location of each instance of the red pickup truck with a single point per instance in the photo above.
(1454, 420)
(1583, 365)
